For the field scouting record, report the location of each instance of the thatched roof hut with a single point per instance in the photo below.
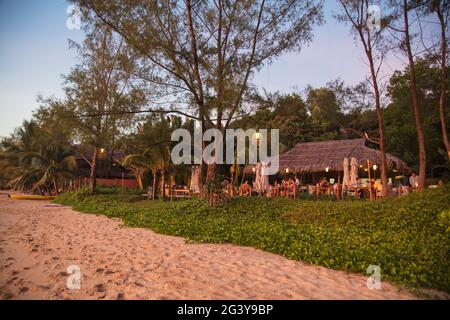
(316, 156)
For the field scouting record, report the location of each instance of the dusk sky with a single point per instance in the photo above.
(34, 54)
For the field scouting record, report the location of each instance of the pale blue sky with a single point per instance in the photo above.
(34, 53)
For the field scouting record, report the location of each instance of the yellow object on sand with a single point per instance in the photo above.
(31, 197)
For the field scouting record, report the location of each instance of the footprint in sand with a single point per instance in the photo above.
(24, 289)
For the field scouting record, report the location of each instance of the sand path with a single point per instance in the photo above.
(39, 241)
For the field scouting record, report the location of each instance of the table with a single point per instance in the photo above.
(180, 193)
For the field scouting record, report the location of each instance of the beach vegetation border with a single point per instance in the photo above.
(408, 237)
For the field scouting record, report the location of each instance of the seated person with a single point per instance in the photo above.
(377, 185)
(357, 183)
(225, 185)
(323, 183)
(291, 185)
(245, 189)
(335, 188)
(275, 189)
(356, 186)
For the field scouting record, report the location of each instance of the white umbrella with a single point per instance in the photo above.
(264, 184)
(353, 170)
(346, 177)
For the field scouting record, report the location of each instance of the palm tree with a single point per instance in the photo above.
(155, 159)
(150, 151)
(139, 164)
(50, 166)
(32, 160)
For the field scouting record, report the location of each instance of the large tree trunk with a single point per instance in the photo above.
(384, 178)
(442, 95)
(366, 40)
(93, 174)
(203, 168)
(200, 99)
(211, 173)
(163, 184)
(415, 102)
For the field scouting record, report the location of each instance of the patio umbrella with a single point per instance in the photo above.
(353, 170)
(346, 177)
(264, 176)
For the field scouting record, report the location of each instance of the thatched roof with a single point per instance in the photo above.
(316, 156)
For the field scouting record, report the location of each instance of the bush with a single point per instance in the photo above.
(117, 190)
(407, 237)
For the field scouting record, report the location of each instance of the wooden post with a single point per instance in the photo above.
(370, 183)
(171, 190)
(123, 174)
(338, 192)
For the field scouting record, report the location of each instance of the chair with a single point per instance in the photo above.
(353, 192)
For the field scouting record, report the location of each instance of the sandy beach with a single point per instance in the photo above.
(40, 240)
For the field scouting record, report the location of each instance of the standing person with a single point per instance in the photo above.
(297, 182)
(414, 180)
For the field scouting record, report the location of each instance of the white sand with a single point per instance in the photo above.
(38, 243)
